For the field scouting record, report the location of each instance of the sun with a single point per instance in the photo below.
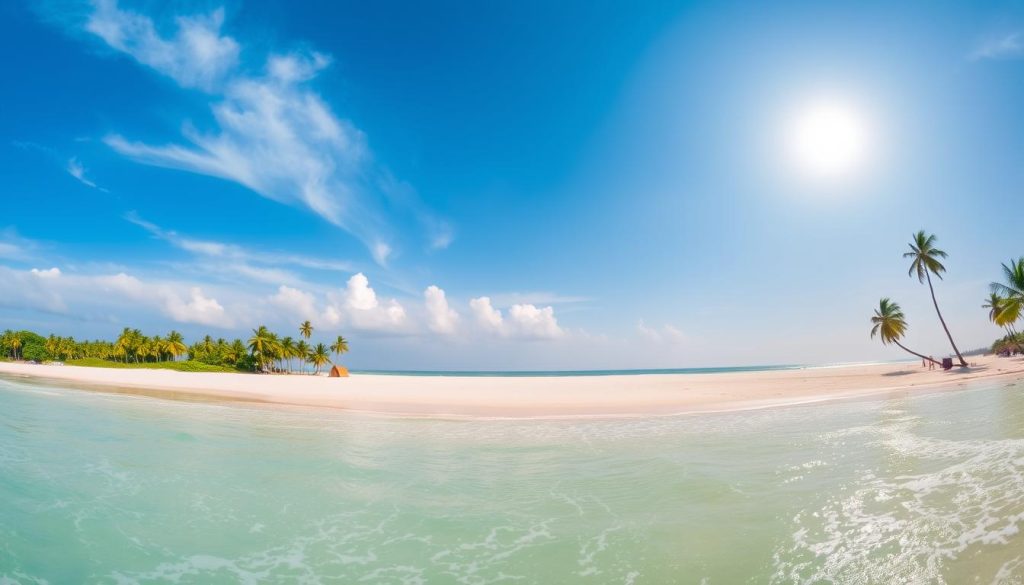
(828, 139)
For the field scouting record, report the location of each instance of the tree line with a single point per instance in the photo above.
(264, 351)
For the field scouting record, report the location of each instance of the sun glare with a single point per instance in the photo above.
(828, 139)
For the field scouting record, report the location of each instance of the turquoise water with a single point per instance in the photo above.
(564, 373)
(108, 488)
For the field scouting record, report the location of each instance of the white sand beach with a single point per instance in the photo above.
(613, 395)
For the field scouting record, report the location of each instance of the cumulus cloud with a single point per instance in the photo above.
(294, 302)
(357, 306)
(486, 315)
(184, 307)
(196, 308)
(525, 321)
(1007, 46)
(531, 321)
(52, 290)
(440, 317)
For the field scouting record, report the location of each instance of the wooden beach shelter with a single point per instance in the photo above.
(338, 372)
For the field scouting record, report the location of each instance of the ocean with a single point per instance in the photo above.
(114, 488)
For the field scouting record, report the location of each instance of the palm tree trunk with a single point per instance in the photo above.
(963, 364)
(924, 357)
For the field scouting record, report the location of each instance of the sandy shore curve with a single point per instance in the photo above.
(530, 397)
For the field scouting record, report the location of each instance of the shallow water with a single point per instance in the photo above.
(106, 488)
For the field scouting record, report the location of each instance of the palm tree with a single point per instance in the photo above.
(302, 352)
(159, 348)
(288, 351)
(318, 356)
(340, 346)
(890, 325)
(274, 348)
(234, 352)
(16, 346)
(1012, 290)
(259, 344)
(925, 263)
(176, 345)
(306, 329)
(1004, 312)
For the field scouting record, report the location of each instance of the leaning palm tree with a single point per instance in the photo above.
(925, 263)
(318, 356)
(891, 325)
(306, 329)
(340, 346)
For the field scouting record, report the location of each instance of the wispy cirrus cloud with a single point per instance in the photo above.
(262, 266)
(16, 248)
(271, 132)
(196, 56)
(77, 170)
(1005, 46)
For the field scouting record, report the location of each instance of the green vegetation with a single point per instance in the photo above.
(1005, 304)
(183, 366)
(264, 351)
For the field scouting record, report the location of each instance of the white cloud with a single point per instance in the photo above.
(235, 259)
(184, 307)
(531, 321)
(10, 251)
(294, 302)
(525, 321)
(381, 252)
(358, 306)
(196, 309)
(440, 317)
(15, 247)
(486, 315)
(197, 56)
(272, 133)
(442, 240)
(535, 298)
(47, 273)
(22, 289)
(665, 334)
(1008, 46)
(76, 170)
(52, 290)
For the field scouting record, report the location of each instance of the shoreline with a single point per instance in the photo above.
(516, 397)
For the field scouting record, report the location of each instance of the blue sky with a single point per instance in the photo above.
(528, 185)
